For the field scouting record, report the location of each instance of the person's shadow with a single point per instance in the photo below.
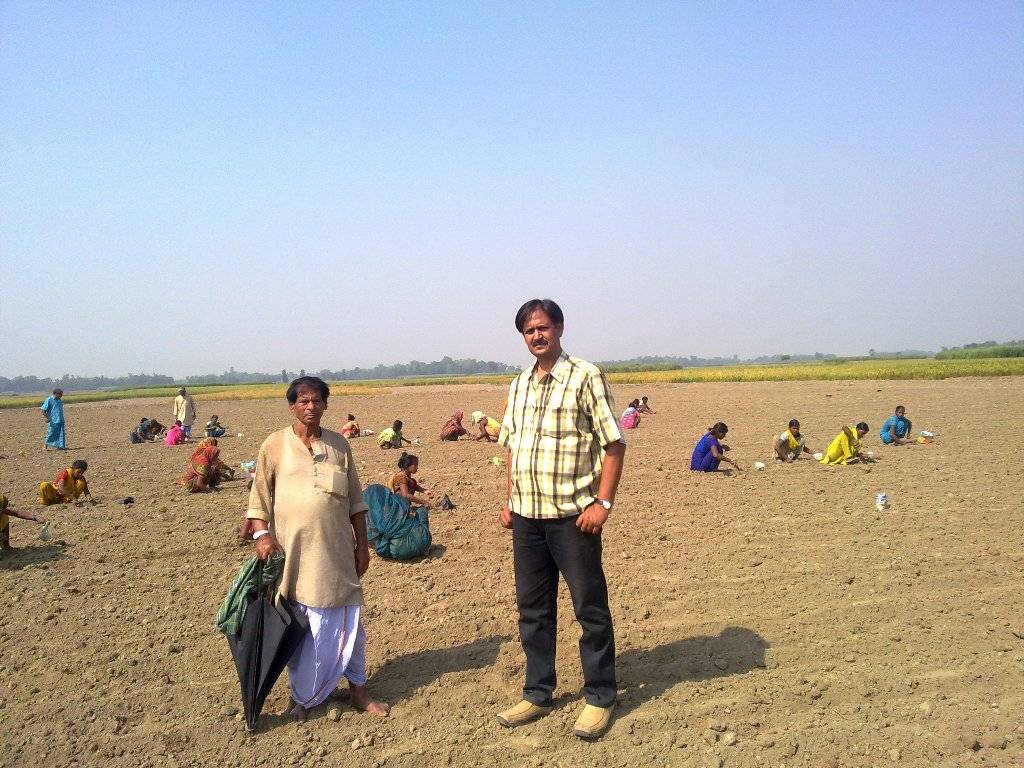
(647, 673)
(16, 559)
(399, 677)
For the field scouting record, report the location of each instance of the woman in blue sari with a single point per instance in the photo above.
(896, 428)
(53, 412)
(710, 451)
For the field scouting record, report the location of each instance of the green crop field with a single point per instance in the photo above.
(973, 353)
(830, 371)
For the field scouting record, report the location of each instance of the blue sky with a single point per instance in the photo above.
(187, 187)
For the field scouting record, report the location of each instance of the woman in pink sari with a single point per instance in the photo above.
(176, 435)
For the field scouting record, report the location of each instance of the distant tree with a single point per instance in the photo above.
(284, 376)
(871, 353)
(302, 371)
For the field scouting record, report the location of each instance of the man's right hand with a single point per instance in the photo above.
(505, 518)
(266, 546)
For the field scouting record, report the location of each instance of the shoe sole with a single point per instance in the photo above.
(514, 723)
(591, 735)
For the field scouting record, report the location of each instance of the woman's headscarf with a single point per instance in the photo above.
(203, 445)
(454, 425)
(478, 416)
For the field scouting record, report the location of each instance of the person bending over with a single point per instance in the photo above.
(710, 450)
(6, 513)
(392, 437)
(845, 447)
(69, 484)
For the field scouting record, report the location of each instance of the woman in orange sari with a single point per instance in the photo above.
(205, 469)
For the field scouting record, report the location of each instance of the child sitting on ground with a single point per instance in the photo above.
(214, 428)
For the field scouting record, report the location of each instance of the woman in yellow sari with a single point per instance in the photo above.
(845, 447)
(69, 484)
(6, 513)
(489, 428)
(790, 444)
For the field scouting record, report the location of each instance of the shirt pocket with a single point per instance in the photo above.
(332, 480)
(561, 418)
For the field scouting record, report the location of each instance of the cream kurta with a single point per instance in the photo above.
(309, 499)
(184, 410)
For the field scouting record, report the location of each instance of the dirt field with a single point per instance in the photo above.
(762, 619)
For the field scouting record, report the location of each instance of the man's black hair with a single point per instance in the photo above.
(307, 382)
(547, 306)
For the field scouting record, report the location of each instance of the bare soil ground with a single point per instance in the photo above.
(767, 618)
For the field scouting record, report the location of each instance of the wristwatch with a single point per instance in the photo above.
(605, 503)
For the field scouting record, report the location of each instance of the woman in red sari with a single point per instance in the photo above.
(205, 469)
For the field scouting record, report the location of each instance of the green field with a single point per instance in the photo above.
(973, 353)
(837, 371)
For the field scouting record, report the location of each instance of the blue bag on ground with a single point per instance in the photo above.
(394, 532)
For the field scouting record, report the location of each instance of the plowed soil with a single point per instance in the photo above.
(763, 618)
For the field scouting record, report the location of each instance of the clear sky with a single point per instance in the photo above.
(186, 187)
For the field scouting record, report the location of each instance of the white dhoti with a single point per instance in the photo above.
(334, 648)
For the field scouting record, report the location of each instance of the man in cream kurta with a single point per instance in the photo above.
(306, 499)
(185, 410)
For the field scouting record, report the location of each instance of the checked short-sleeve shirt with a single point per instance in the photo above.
(556, 430)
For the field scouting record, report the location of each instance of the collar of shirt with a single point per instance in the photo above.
(317, 448)
(559, 371)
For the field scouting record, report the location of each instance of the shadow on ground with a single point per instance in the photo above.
(733, 651)
(23, 557)
(399, 678)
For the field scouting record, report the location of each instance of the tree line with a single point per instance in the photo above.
(446, 366)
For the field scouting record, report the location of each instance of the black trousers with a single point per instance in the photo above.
(543, 549)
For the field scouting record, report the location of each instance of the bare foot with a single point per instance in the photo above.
(297, 713)
(361, 700)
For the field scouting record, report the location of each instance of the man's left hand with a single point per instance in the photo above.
(592, 519)
(362, 560)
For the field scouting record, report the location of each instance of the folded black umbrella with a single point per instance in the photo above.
(270, 632)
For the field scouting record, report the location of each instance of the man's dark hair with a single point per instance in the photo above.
(58, 391)
(397, 425)
(863, 425)
(307, 382)
(81, 464)
(900, 408)
(719, 428)
(547, 306)
(794, 423)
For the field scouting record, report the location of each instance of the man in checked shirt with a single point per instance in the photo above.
(564, 464)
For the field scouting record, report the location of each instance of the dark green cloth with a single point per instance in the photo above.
(253, 577)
